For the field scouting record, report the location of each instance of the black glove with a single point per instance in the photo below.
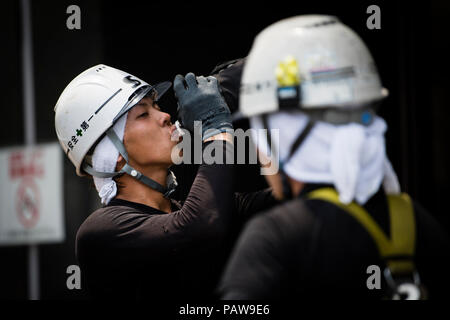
(199, 99)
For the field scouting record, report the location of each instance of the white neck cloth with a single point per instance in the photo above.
(351, 157)
(104, 159)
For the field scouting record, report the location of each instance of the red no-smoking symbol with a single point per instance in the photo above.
(27, 203)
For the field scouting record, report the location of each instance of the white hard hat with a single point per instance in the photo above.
(309, 62)
(92, 103)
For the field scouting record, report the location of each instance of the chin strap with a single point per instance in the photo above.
(171, 179)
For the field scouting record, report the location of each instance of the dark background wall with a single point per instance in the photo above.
(155, 41)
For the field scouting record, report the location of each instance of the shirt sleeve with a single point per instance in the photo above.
(134, 236)
(250, 203)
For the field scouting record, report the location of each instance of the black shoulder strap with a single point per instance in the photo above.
(397, 250)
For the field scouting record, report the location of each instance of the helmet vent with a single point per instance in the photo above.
(322, 23)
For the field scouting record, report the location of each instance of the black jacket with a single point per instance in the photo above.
(312, 249)
(128, 250)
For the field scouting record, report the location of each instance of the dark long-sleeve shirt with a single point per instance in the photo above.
(312, 249)
(129, 250)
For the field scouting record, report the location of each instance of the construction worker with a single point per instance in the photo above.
(142, 243)
(344, 229)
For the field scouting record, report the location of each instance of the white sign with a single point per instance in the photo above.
(31, 195)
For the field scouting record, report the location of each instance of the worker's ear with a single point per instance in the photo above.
(120, 163)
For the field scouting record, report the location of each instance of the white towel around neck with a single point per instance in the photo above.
(351, 157)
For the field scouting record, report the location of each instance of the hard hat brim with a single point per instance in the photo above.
(160, 89)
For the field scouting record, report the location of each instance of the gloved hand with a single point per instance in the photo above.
(199, 99)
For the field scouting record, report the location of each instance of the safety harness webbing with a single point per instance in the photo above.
(398, 250)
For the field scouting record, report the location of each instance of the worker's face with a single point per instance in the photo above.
(147, 136)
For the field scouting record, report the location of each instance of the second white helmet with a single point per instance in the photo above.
(309, 62)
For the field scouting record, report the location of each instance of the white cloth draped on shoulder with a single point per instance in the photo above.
(352, 157)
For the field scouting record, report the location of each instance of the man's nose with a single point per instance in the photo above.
(165, 119)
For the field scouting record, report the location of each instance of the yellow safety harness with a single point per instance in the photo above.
(398, 249)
